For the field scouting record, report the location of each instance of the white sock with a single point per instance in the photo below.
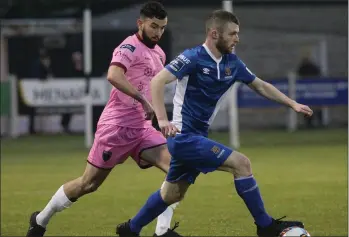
(58, 202)
(164, 219)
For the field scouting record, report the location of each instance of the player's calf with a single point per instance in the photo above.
(156, 204)
(68, 193)
(81, 186)
(247, 188)
(89, 182)
(164, 221)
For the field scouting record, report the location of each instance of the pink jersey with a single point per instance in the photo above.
(141, 64)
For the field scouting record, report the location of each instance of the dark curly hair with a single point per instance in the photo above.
(153, 9)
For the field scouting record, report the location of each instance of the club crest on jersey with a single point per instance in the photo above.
(227, 71)
(128, 46)
(215, 149)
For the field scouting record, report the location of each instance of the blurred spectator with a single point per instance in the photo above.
(308, 69)
(77, 70)
(42, 69)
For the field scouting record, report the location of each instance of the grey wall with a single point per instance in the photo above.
(329, 20)
(272, 39)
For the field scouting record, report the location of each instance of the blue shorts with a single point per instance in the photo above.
(192, 154)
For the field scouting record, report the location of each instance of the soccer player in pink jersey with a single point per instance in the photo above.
(124, 128)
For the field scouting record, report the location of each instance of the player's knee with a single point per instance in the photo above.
(237, 164)
(243, 167)
(171, 197)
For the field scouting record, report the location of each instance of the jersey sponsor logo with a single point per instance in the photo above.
(128, 46)
(220, 154)
(184, 59)
(178, 63)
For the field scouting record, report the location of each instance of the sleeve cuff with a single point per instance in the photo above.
(118, 64)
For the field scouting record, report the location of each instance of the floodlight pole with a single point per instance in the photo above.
(87, 52)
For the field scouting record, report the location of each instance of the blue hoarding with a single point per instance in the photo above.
(312, 92)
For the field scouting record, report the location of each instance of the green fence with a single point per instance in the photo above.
(5, 92)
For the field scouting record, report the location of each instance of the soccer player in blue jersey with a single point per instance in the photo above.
(205, 74)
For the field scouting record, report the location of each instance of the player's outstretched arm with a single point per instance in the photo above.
(157, 86)
(116, 76)
(271, 92)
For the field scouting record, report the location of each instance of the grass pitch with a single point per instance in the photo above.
(302, 175)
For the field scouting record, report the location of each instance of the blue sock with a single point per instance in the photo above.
(248, 190)
(152, 209)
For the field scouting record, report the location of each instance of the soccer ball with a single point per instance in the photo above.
(294, 231)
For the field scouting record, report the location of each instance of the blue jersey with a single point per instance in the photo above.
(203, 82)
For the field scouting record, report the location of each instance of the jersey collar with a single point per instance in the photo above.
(217, 60)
